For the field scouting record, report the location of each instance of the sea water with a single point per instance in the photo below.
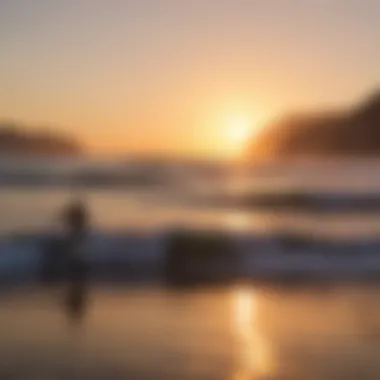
(323, 330)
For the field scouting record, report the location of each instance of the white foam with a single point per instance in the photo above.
(252, 255)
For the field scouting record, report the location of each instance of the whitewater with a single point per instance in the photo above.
(330, 229)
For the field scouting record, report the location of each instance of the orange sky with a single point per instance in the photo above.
(172, 77)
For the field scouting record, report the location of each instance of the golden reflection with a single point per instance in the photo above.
(253, 354)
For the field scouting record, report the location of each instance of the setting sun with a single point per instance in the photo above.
(239, 129)
(236, 134)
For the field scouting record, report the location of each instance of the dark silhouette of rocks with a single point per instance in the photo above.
(352, 132)
(17, 139)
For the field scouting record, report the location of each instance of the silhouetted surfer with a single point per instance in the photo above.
(76, 219)
(76, 223)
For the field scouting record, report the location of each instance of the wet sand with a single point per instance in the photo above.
(240, 332)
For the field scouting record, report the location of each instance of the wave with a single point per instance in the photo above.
(294, 201)
(191, 256)
(104, 174)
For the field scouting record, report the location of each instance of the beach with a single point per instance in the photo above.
(238, 332)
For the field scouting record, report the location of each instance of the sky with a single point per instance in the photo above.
(181, 77)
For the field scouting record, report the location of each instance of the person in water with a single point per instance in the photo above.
(76, 223)
(76, 220)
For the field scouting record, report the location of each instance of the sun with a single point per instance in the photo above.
(237, 134)
(230, 132)
(239, 129)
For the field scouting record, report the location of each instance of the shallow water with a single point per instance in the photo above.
(34, 209)
(175, 203)
(240, 332)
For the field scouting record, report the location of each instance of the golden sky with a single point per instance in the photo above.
(189, 77)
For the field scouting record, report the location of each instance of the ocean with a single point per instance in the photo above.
(135, 208)
(187, 196)
(240, 329)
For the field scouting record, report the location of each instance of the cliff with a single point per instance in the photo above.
(355, 131)
(20, 140)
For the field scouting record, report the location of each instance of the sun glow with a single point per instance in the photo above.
(239, 129)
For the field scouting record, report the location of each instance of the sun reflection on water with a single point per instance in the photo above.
(253, 351)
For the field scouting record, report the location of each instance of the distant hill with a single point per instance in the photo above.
(354, 131)
(20, 140)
